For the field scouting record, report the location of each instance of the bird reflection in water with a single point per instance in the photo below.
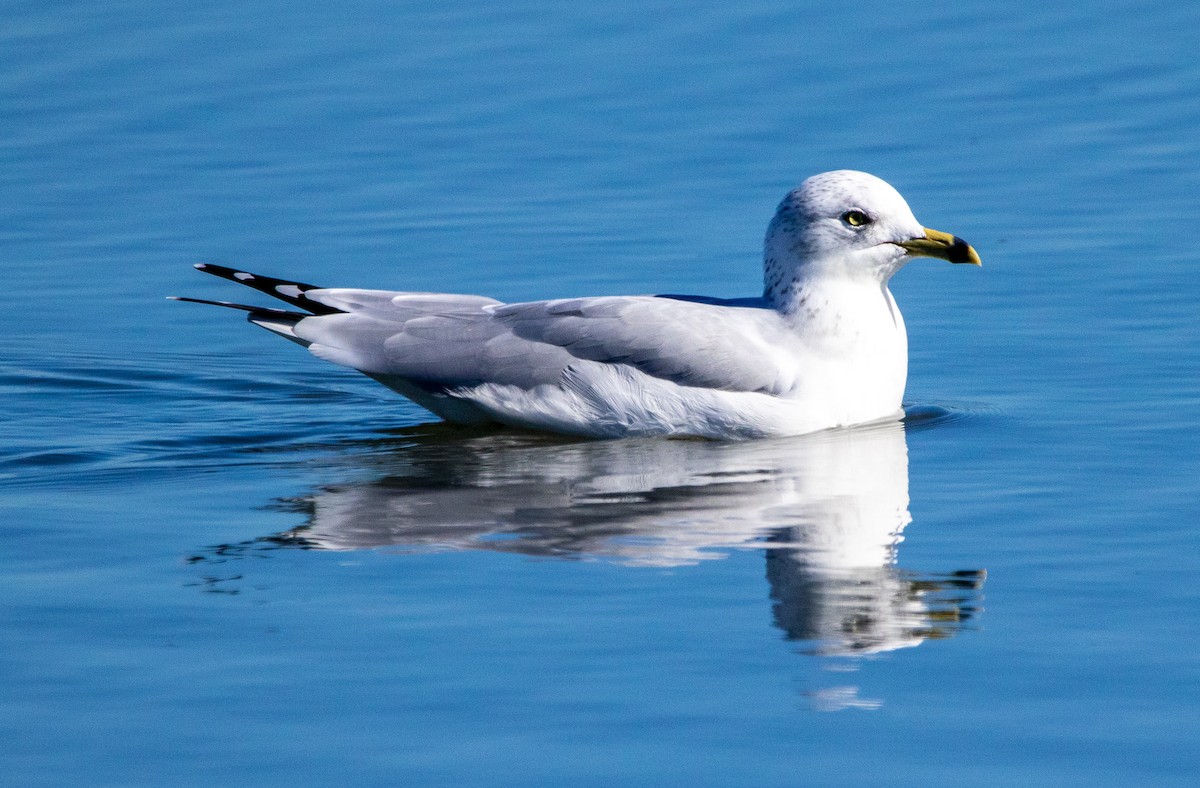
(828, 510)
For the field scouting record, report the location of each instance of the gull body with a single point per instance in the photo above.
(823, 346)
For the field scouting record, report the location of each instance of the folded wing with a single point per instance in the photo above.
(458, 341)
(458, 354)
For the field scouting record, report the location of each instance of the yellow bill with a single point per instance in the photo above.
(943, 246)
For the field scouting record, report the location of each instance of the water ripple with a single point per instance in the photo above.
(923, 416)
(178, 412)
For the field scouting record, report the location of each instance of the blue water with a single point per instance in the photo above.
(228, 562)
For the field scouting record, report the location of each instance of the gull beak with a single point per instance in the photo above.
(943, 246)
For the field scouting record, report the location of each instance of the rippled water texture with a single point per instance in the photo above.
(226, 561)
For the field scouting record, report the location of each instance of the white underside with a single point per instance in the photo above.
(606, 400)
(603, 400)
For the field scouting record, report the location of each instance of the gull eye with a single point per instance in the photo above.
(856, 218)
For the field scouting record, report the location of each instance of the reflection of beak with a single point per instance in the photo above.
(942, 245)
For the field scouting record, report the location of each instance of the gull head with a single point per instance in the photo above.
(852, 225)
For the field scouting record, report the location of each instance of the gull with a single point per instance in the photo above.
(824, 346)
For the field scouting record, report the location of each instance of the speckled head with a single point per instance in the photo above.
(849, 224)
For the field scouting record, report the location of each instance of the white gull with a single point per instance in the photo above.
(824, 346)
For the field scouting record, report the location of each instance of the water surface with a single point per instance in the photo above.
(227, 561)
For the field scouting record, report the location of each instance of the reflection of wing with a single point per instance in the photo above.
(841, 497)
(637, 501)
(453, 341)
(828, 508)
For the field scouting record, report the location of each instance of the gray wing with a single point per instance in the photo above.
(692, 344)
(448, 341)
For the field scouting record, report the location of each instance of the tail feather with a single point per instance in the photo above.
(283, 289)
(283, 326)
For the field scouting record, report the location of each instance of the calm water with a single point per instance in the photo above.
(226, 561)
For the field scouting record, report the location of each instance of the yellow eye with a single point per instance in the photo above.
(856, 218)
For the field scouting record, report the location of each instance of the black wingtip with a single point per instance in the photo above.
(255, 311)
(287, 290)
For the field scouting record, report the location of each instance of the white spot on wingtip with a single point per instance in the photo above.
(200, 266)
(291, 291)
(242, 276)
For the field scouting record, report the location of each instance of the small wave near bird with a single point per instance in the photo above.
(824, 346)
